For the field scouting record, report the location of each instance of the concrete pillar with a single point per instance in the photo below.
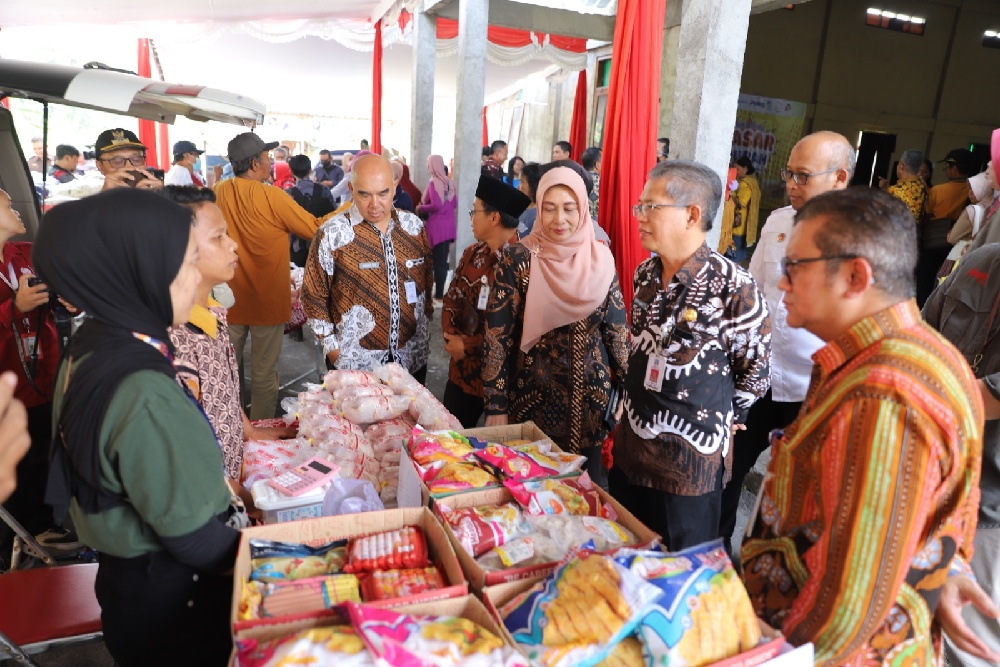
(473, 21)
(422, 108)
(713, 39)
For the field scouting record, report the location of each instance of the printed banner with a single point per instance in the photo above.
(766, 130)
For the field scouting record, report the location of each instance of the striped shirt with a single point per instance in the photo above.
(871, 496)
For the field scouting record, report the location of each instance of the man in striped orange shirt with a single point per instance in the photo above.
(872, 493)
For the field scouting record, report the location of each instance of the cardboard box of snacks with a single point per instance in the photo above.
(467, 607)
(327, 529)
(479, 578)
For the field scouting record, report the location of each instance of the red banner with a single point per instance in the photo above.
(513, 38)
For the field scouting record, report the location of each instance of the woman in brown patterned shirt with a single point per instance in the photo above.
(494, 223)
(203, 355)
(556, 331)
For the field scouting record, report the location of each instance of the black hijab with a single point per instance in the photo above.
(114, 256)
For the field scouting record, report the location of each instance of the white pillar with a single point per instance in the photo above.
(713, 39)
(473, 21)
(422, 108)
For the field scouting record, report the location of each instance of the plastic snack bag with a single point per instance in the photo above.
(338, 645)
(479, 529)
(428, 448)
(391, 584)
(402, 640)
(336, 379)
(370, 409)
(513, 464)
(403, 548)
(560, 496)
(358, 390)
(563, 463)
(443, 478)
(286, 561)
(575, 531)
(705, 614)
(580, 613)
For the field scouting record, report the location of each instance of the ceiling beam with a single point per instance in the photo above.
(522, 16)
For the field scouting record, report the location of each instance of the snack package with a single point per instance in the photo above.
(339, 645)
(286, 561)
(443, 478)
(336, 379)
(479, 529)
(283, 598)
(705, 614)
(402, 548)
(579, 613)
(358, 390)
(369, 409)
(392, 584)
(563, 463)
(428, 448)
(262, 459)
(560, 496)
(390, 428)
(402, 640)
(523, 552)
(513, 464)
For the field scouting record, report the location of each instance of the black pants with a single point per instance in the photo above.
(928, 264)
(420, 375)
(765, 416)
(682, 521)
(157, 611)
(466, 407)
(27, 503)
(439, 253)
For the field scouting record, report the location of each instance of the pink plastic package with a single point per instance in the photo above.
(337, 379)
(513, 464)
(357, 390)
(371, 409)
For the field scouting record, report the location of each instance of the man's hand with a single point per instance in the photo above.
(333, 355)
(14, 438)
(738, 427)
(122, 178)
(29, 298)
(454, 345)
(328, 184)
(496, 420)
(883, 184)
(957, 592)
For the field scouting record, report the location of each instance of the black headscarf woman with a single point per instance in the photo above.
(116, 266)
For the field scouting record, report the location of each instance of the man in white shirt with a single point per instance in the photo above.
(186, 155)
(818, 163)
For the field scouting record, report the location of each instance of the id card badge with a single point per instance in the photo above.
(28, 341)
(654, 373)
(411, 291)
(484, 295)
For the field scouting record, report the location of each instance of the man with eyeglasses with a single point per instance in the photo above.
(369, 278)
(818, 163)
(870, 497)
(698, 361)
(121, 159)
(259, 218)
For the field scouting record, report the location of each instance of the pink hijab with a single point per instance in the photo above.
(439, 179)
(570, 279)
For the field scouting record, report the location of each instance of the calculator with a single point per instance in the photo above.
(304, 477)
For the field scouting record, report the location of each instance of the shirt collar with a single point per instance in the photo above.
(866, 333)
(205, 319)
(691, 268)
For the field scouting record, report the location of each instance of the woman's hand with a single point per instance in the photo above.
(14, 438)
(28, 298)
(496, 420)
(958, 591)
(454, 345)
(269, 433)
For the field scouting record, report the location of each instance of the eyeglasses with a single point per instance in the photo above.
(787, 265)
(645, 208)
(474, 210)
(119, 162)
(801, 177)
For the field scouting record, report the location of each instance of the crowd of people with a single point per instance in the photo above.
(879, 512)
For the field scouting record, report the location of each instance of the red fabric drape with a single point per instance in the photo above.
(166, 149)
(511, 37)
(578, 124)
(376, 143)
(147, 128)
(630, 124)
(486, 130)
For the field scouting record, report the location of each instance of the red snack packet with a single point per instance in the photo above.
(479, 529)
(560, 496)
(395, 549)
(392, 584)
(513, 464)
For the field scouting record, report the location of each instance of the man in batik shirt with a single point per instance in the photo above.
(910, 188)
(872, 492)
(368, 279)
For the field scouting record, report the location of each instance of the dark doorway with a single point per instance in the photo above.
(980, 157)
(874, 158)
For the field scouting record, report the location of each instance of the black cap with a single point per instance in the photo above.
(182, 147)
(248, 145)
(116, 139)
(957, 156)
(501, 196)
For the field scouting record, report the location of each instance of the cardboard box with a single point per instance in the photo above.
(463, 607)
(327, 529)
(480, 578)
(504, 434)
(766, 654)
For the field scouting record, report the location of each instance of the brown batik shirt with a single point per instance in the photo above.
(355, 293)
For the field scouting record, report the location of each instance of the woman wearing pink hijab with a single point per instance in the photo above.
(556, 333)
(438, 208)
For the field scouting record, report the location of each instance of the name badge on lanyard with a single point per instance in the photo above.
(484, 294)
